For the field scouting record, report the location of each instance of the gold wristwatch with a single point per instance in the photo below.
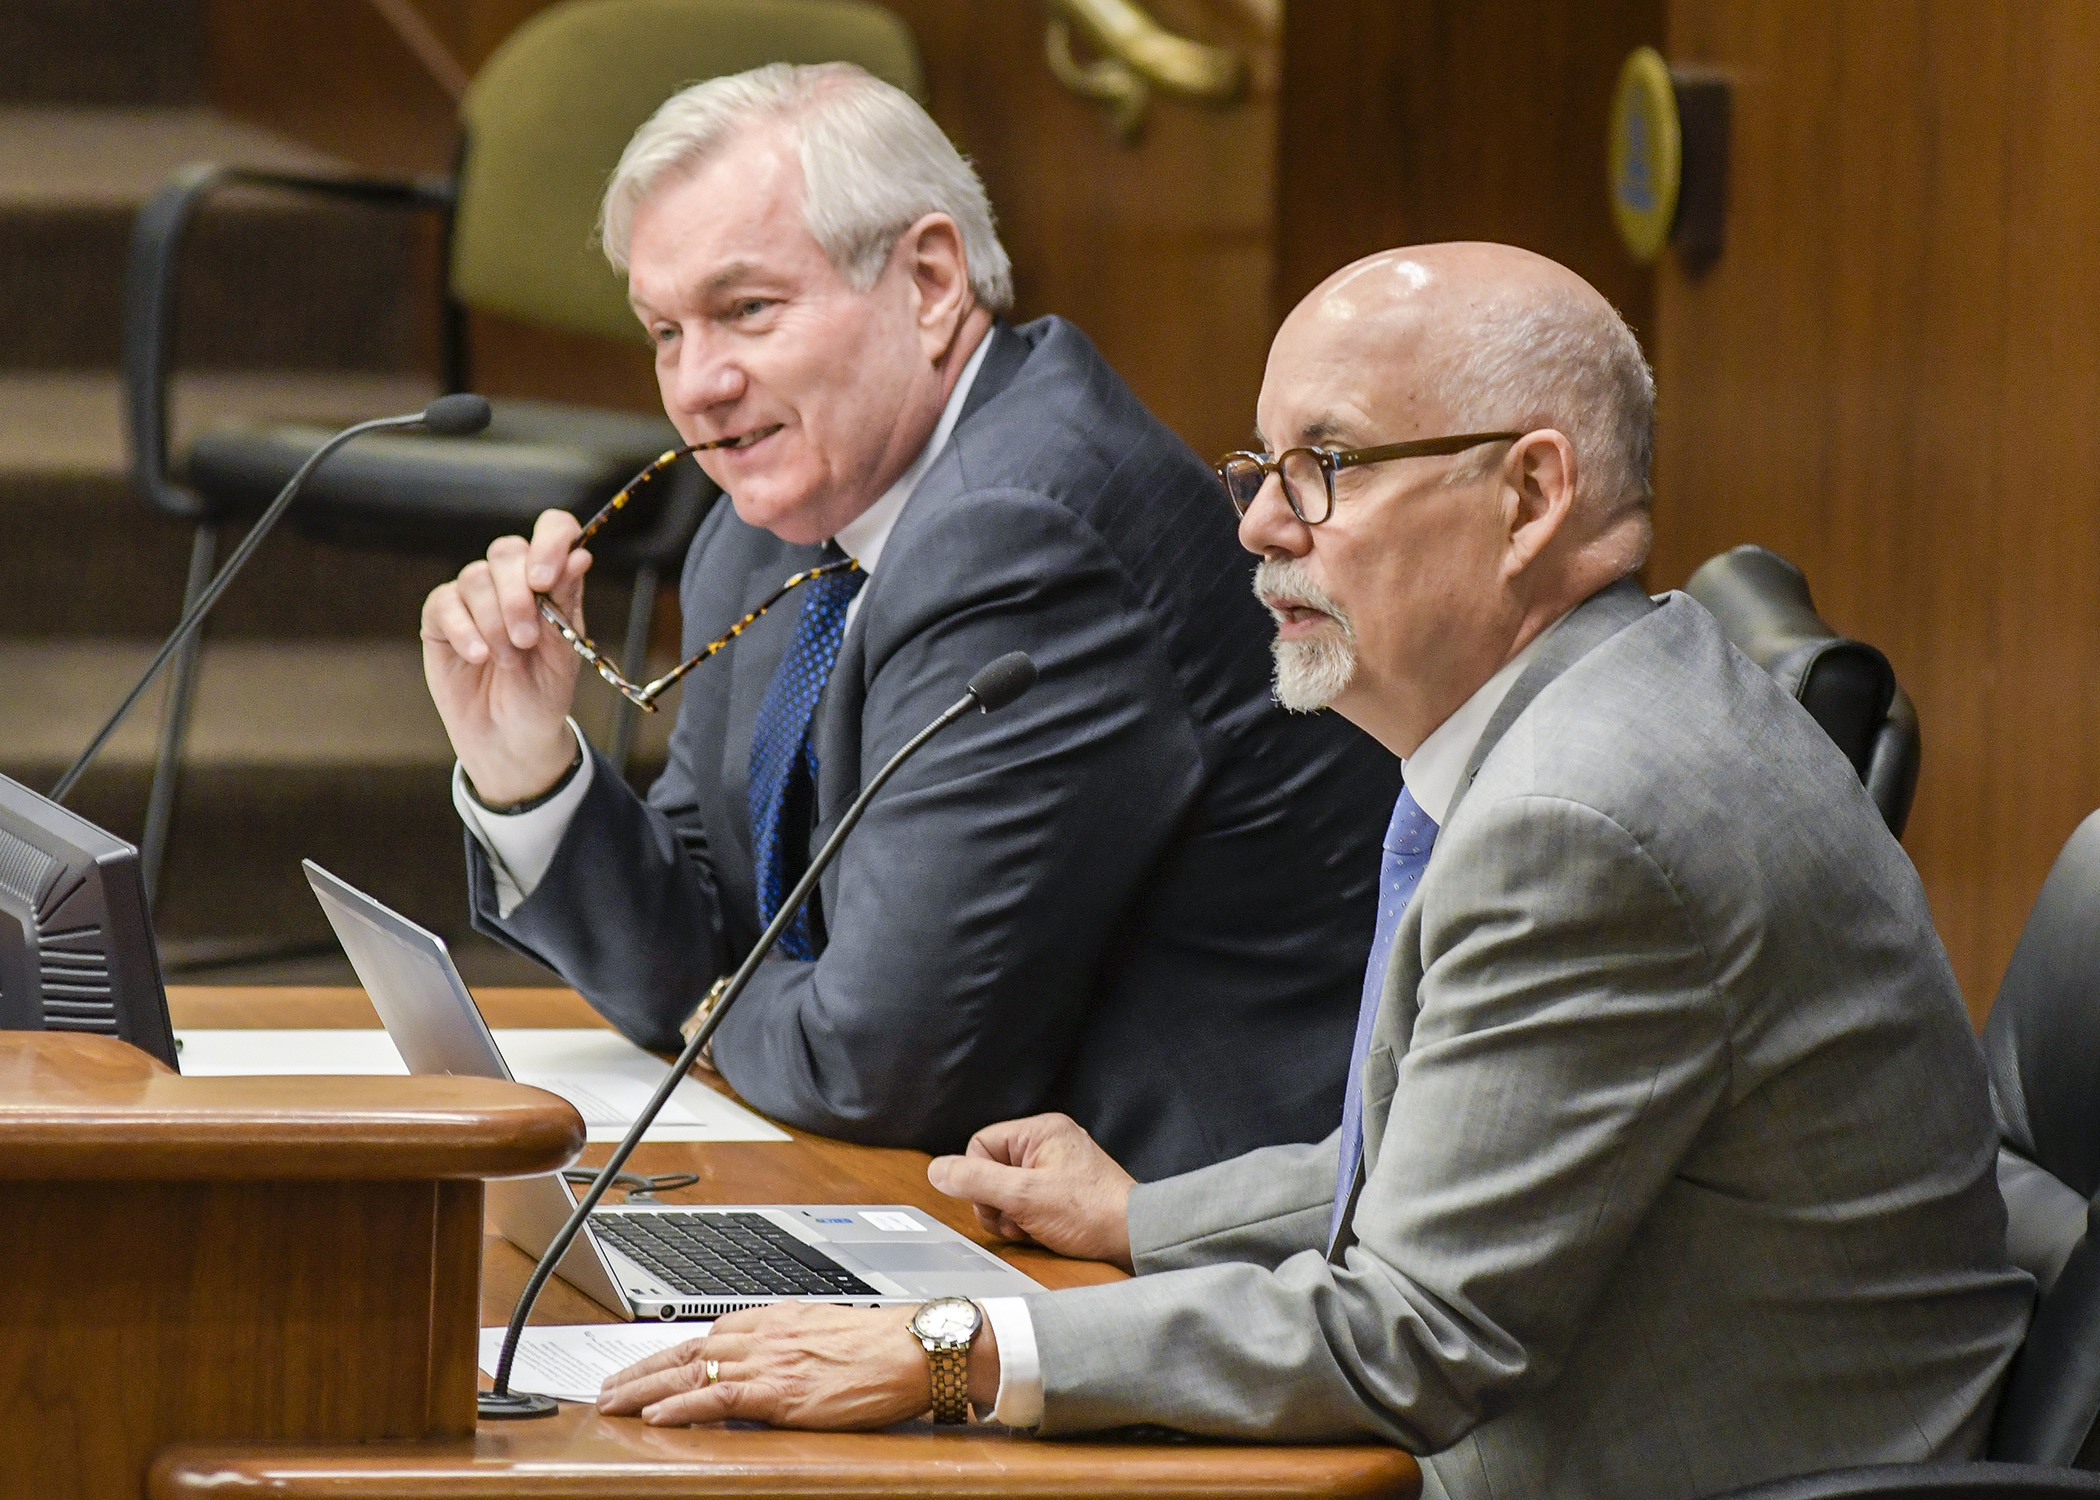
(947, 1326)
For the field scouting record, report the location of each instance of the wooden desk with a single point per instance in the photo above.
(581, 1454)
(192, 1258)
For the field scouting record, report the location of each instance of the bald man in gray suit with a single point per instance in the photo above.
(1667, 1162)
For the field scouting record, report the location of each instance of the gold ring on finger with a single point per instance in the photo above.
(714, 1371)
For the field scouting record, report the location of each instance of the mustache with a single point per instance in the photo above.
(1289, 578)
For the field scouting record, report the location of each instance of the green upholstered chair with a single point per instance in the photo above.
(543, 124)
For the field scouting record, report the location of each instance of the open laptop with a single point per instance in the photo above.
(665, 1262)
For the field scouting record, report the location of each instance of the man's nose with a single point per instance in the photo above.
(1269, 528)
(702, 378)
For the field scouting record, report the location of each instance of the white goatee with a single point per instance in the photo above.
(1310, 673)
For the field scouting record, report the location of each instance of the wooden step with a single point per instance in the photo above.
(269, 280)
(87, 558)
(322, 750)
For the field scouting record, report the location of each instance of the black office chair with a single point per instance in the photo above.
(2042, 1047)
(541, 129)
(1762, 602)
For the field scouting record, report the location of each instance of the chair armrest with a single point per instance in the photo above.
(1945, 1481)
(150, 286)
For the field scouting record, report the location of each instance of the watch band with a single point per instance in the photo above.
(951, 1382)
(948, 1355)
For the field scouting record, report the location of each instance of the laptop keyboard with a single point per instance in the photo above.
(727, 1253)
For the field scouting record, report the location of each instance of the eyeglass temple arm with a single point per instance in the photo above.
(1419, 447)
(646, 697)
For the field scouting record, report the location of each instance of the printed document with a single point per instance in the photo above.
(603, 1074)
(571, 1364)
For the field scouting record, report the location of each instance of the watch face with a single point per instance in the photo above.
(949, 1320)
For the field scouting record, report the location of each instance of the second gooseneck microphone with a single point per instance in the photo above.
(457, 415)
(996, 684)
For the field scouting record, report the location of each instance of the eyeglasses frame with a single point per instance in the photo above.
(644, 695)
(1333, 460)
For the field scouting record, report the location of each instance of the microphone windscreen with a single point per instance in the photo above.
(998, 683)
(461, 414)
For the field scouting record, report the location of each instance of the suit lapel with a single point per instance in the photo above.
(1002, 362)
(1586, 627)
(837, 727)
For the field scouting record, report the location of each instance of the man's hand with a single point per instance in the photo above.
(1043, 1179)
(502, 678)
(797, 1364)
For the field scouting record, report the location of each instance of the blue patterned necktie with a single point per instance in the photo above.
(783, 759)
(1408, 839)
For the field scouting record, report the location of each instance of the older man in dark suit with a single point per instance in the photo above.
(1109, 899)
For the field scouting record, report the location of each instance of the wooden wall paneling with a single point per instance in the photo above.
(333, 74)
(1405, 121)
(1160, 251)
(1888, 378)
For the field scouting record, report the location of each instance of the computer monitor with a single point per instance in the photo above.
(76, 941)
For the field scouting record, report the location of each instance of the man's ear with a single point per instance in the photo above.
(1538, 477)
(940, 277)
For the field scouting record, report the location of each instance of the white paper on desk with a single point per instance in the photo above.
(603, 1074)
(571, 1364)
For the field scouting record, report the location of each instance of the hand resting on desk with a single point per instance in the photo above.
(843, 1368)
(796, 1364)
(1043, 1179)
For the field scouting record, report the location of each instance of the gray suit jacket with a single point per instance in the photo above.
(1102, 899)
(1679, 1157)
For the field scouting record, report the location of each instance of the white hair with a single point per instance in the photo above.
(1523, 362)
(873, 164)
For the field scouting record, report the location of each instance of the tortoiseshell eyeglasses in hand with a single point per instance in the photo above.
(644, 695)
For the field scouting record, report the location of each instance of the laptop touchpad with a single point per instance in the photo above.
(918, 1259)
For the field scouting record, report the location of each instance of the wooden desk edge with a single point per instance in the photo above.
(933, 1467)
(79, 1107)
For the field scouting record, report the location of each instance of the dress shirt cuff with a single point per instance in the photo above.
(1020, 1402)
(521, 846)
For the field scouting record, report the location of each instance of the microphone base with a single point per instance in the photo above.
(511, 1406)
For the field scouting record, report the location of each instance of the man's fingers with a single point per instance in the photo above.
(567, 592)
(515, 597)
(663, 1359)
(553, 537)
(634, 1388)
(477, 591)
(447, 621)
(982, 1181)
(745, 1400)
(1009, 1141)
(1000, 1225)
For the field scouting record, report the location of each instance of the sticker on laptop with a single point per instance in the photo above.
(894, 1223)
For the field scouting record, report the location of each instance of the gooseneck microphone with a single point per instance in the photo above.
(457, 415)
(996, 684)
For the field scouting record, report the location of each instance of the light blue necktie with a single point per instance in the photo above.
(781, 751)
(1408, 839)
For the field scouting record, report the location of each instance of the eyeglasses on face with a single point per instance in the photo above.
(644, 695)
(1307, 474)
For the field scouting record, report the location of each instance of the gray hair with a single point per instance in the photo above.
(873, 164)
(1528, 361)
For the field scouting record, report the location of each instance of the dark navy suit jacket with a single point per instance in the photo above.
(1142, 894)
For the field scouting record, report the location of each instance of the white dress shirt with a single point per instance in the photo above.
(521, 846)
(1432, 773)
